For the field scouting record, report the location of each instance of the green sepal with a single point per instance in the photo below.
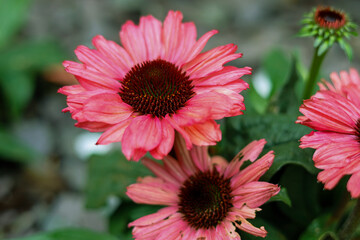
(346, 47)
(323, 47)
(318, 41)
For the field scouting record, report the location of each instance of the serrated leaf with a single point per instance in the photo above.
(12, 16)
(109, 175)
(13, 149)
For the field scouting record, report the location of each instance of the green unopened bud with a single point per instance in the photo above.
(328, 26)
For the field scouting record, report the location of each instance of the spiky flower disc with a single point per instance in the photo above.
(328, 26)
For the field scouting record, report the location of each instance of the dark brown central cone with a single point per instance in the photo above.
(329, 18)
(156, 87)
(205, 199)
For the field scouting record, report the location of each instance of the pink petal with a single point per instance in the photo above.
(199, 46)
(188, 40)
(133, 41)
(183, 155)
(172, 35)
(223, 77)
(330, 177)
(167, 141)
(254, 171)
(211, 61)
(249, 228)
(114, 133)
(143, 134)
(73, 89)
(227, 230)
(155, 217)
(201, 158)
(152, 231)
(90, 79)
(99, 62)
(155, 194)
(203, 134)
(255, 194)
(353, 185)
(93, 126)
(180, 130)
(114, 53)
(173, 167)
(250, 152)
(160, 171)
(107, 108)
(151, 30)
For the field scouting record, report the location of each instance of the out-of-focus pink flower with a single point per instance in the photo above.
(206, 198)
(156, 83)
(335, 113)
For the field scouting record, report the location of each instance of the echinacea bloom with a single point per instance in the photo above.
(335, 114)
(205, 198)
(328, 26)
(157, 83)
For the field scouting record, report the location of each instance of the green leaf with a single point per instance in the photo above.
(258, 102)
(17, 88)
(282, 196)
(13, 149)
(109, 175)
(320, 228)
(31, 55)
(12, 16)
(282, 136)
(70, 234)
(277, 66)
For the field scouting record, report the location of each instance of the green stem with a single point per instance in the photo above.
(351, 224)
(314, 71)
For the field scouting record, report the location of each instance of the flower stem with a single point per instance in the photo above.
(314, 71)
(351, 224)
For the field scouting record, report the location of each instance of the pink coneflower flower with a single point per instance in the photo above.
(206, 198)
(158, 82)
(337, 141)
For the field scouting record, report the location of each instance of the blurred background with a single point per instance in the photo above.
(45, 162)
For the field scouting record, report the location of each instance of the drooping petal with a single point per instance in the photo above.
(353, 185)
(155, 195)
(207, 133)
(154, 218)
(249, 228)
(148, 140)
(114, 133)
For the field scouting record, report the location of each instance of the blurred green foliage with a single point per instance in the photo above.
(21, 61)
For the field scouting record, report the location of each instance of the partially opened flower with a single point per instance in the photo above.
(328, 26)
(158, 82)
(336, 116)
(205, 198)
